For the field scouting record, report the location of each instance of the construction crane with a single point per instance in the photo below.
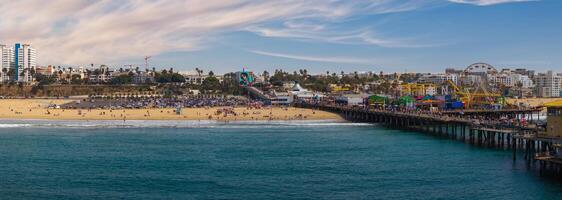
(146, 61)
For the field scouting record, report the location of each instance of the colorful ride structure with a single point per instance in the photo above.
(476, 96)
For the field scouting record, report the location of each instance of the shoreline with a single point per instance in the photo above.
(38, 109)
(101, 124)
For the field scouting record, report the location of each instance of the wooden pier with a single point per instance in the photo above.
(458, 125)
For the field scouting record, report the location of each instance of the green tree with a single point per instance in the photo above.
(121, 79)
(76, 79)
(210, 83)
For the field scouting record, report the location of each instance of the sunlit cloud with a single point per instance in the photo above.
(85, 31)
(107, 31)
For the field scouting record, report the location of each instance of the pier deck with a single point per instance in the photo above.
(476, 127)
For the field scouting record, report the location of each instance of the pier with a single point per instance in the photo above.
(467, 126)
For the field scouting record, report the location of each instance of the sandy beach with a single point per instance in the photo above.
(38, 109)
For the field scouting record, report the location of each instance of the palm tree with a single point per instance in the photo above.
(4, 71)
(265, 75)
(11, 73)
(32, 72)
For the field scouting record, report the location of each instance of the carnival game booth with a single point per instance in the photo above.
(406, 101)
(430, 104)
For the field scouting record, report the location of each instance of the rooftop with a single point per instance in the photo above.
(554, 104)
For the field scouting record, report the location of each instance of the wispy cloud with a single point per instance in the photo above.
(488, 2)
(314, 58)
(106, 31)
(330, 30)
(85, 31)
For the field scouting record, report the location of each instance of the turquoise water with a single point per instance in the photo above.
(276, 160)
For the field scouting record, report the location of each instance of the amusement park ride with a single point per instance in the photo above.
(477, 95)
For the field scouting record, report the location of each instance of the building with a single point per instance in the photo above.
(47, 71)
(414, 89)
(470, 79)
(281, 98)
(554, 119)
(196, 78)
(193, 77)
(438, 78)
(25, 60)
(101, 75)
(453, 71)
(142, 77)
(548, 84)
(6, 62)
(511, 78)
(351, 99)
(522, 71)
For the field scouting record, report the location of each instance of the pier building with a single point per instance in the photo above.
(554, 119)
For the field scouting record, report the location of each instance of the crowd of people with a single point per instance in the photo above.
(520, 121)
(153, 102)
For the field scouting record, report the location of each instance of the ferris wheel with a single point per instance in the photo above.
(480, 68)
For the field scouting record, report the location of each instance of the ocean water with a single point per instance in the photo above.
(251, 160)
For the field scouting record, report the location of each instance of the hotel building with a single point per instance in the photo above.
(25, 60)
(548, 84)
(6, 61)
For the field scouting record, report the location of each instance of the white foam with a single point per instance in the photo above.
(170, 124)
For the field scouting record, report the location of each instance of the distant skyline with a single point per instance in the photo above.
(319, 35)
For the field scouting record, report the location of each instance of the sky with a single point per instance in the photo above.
(319, 35)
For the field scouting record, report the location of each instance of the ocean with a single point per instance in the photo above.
(42, 159)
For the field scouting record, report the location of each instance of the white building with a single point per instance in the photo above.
(510, 79)
(101, 75)
(438, 78)
(25, 60)
(471, 79)
(548, 84)
(525, 81)
(195, 78)
(6, 62)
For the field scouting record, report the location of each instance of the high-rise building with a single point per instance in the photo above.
(6, 61)
(548, 84)
(25, 60)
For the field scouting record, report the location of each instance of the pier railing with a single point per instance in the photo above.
(487, 128)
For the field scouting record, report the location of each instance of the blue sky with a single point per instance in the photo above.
(388, 35)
